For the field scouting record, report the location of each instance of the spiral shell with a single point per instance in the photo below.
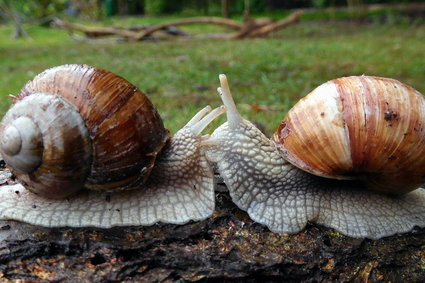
(359, 127)
(76, 126)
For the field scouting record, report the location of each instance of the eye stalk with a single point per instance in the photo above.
(201, 120)
(233, 116)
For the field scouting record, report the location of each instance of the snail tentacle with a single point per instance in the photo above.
(233, 116)
(199, 126)
(198, 116)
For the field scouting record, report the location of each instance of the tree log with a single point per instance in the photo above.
(250, 28)
(226, 246)
(93, 32)
(198, 20)
(264, 30)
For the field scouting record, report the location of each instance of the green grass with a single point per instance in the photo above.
(181, 76)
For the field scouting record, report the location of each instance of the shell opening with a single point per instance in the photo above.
(21, 145)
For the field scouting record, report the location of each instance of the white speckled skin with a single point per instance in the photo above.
(180, 189)
(284, 198)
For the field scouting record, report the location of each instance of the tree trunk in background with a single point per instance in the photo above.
(10, 10)
(206, 7)
(122, 7)
(246, 11)
(225, 9)
(18, 32)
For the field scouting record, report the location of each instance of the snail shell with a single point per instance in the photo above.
(359, 127)
(76, 126)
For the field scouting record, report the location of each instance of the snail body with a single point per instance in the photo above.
(279, 194)
(90, 149)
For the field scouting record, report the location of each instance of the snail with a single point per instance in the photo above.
(361, 127)
(90, 149)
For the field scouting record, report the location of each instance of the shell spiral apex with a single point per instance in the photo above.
(20, 142)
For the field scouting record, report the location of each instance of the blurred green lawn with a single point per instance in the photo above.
(181, 76)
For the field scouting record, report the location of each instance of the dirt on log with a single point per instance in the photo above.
(226, 247)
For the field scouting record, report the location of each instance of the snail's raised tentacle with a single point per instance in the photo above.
(200, 125)
(198, 116)
(233, 116)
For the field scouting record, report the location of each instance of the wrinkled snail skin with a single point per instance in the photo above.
(284, 198)
(176, 188)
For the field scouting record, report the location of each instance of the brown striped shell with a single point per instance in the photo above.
(76, 126)
(359, 127)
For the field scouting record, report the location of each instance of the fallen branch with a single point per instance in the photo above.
(93, 32)
(264, 30)
(201, 20)
(249, 28)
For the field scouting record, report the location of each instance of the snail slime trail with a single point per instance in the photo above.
(89, 149)
(286, 182)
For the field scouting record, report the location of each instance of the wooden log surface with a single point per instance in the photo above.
(225, 247)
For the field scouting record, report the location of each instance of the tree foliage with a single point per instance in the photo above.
(93, 8)
(32, 9)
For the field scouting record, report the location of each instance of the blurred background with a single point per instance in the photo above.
(177, 63)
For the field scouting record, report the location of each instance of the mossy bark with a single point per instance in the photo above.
(228, 246)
